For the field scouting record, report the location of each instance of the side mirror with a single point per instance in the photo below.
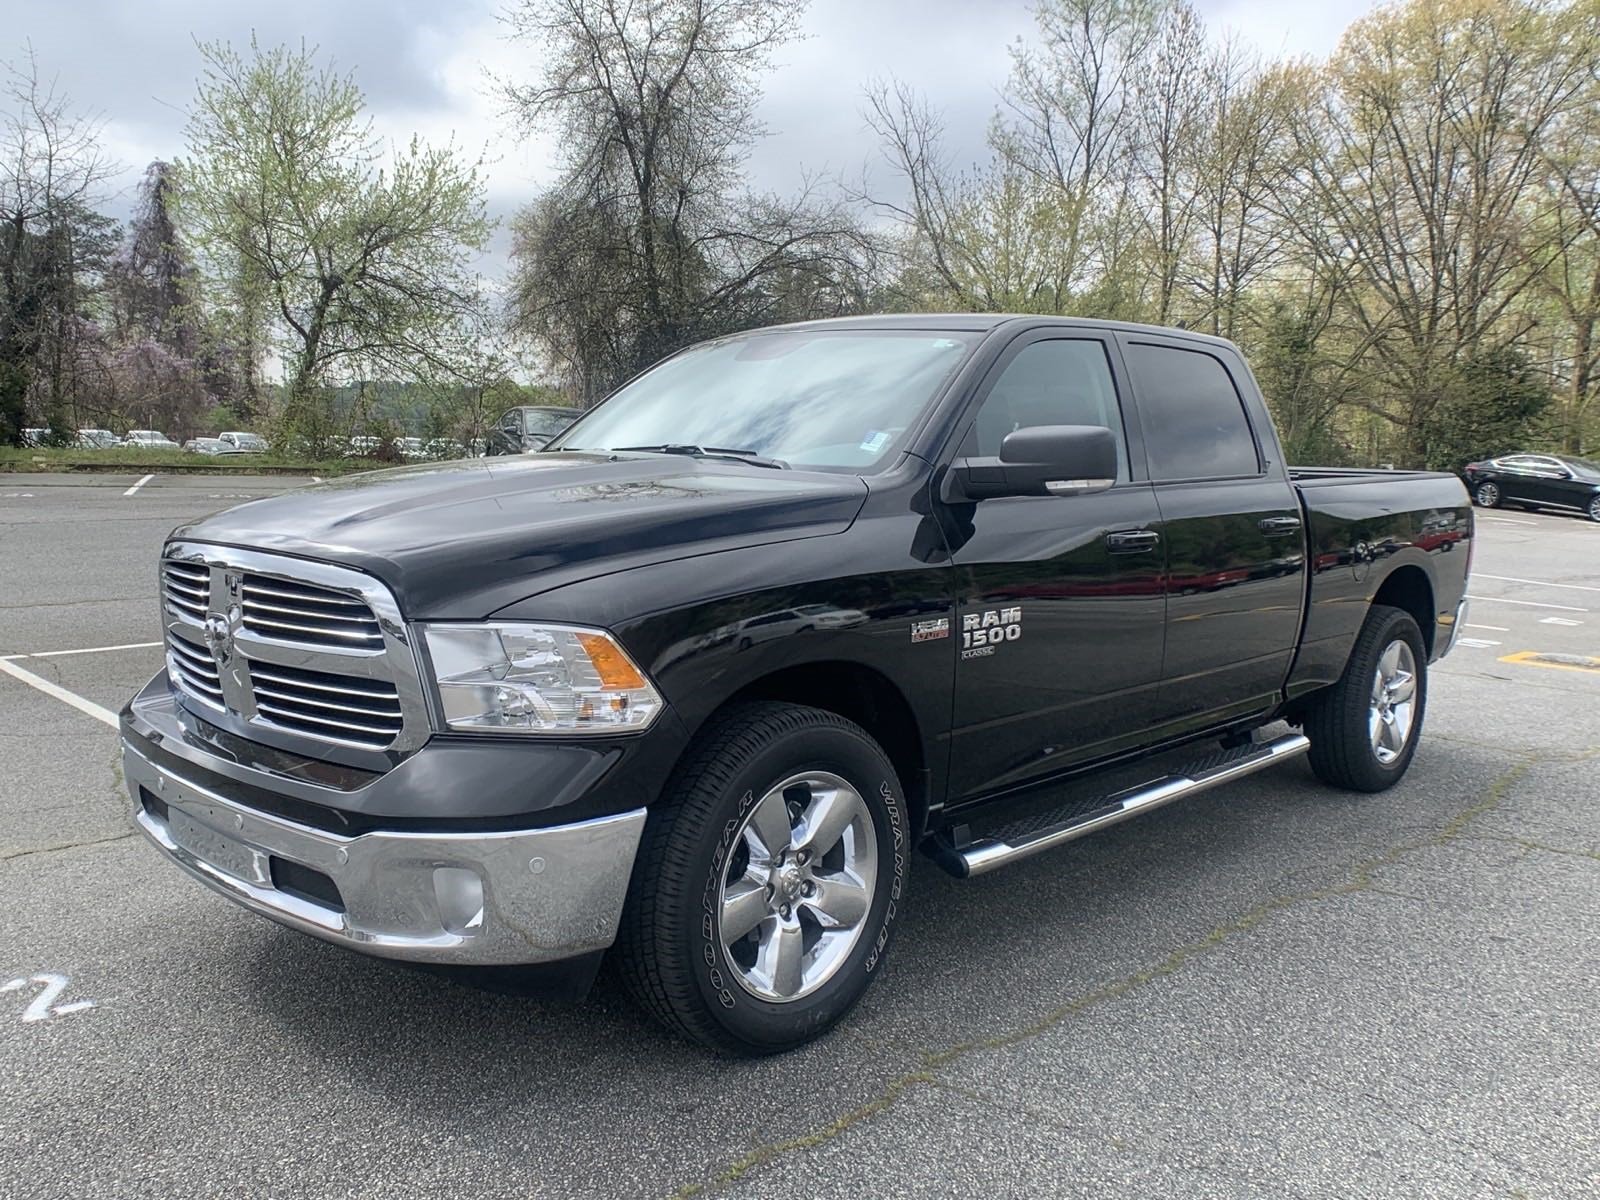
(1041, 460)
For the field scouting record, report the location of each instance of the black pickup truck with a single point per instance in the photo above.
(690, 684)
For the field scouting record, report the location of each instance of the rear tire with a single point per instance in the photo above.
(1487, 494)
(746, 832)
(1364, 729)
(1594, 508)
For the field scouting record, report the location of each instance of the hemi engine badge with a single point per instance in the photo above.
(930, 631)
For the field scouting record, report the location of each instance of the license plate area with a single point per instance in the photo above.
(215, 848)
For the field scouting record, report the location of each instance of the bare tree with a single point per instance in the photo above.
(1419, 159)
(649, 240)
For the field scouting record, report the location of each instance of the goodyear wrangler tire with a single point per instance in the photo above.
(768, 880)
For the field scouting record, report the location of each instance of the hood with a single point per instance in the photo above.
(464, 539)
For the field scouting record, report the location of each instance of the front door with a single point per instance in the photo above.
(1060, 602)
(1232, 527)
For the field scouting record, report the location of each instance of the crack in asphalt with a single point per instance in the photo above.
(52, 849)
(151, 598)
(1360, 878)
(1532, 845)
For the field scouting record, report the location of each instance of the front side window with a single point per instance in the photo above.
(512, 421)
(1192, 415)
(837, 400)
(1063, 381)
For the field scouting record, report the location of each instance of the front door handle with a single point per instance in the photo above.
(1132, 541)
(1279, 526)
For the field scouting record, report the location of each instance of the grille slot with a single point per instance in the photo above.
(196, 670)
(366, 712)
(187, 587)
(287, 610)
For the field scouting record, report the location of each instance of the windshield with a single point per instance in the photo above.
(835, 400)
(547, 424)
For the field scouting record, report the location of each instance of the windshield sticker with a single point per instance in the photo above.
(875, 441)
(982, 631)
(930, 631)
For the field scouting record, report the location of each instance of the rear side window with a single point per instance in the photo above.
(1193, 417)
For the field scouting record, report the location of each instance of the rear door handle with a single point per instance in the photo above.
(1132, 541)
(1279, 526)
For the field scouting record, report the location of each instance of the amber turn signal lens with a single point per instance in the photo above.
(613, 666)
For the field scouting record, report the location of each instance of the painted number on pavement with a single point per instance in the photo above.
(43, 1006)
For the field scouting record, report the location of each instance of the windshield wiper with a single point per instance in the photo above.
(691, 450)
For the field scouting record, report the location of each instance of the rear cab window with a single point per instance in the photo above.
(1193, 417)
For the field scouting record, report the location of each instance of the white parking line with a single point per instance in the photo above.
(139, 485)
(1507, 521)
(85, 650)
(1558, 621)
(1491, 628)
(1524, 603)
(88, 707)
(1574, 587)
(1478, 643)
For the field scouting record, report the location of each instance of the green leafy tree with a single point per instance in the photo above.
(359, 258)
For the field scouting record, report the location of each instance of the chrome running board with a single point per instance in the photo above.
(1025, 838)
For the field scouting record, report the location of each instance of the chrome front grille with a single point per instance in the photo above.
(301, 612)
(187, 588)
(323, 705)
(289, 651)
(195, 670)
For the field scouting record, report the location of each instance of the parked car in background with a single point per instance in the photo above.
(249, 443)
(528, 428)
(34, 437)
(410, 447)
(214, 447)
(362, 446)
(443, 448)
(149, 439)
(98, 439)
(1537, 481)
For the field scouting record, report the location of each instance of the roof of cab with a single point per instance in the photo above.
(987, 322)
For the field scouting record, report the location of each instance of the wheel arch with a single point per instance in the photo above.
(861, 694)
(1408, 587)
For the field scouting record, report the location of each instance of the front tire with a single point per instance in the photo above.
(1594, 508)
(1364, 729)
(1487, 494)
(768, 881)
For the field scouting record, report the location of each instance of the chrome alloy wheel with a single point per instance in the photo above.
(1487, 495)
(1394, 701)
(1594, 509)
(799, 885)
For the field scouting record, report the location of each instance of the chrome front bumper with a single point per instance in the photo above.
(526, 896)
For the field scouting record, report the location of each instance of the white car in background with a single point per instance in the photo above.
(97, 439)
(249, 443)
(149, 439)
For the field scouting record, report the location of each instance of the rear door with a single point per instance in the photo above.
(1060, 600)
(1231, 524)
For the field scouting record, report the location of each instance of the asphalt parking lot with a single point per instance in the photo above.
(1271, 990)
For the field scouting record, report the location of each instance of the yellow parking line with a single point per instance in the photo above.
(1556, 662)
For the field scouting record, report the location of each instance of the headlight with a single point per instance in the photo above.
(514, 678)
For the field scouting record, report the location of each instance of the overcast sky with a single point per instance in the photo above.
(423, 63)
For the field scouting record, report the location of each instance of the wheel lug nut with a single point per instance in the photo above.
(810, 888)
(784, 912)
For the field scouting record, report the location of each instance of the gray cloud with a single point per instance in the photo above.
(422, 65)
